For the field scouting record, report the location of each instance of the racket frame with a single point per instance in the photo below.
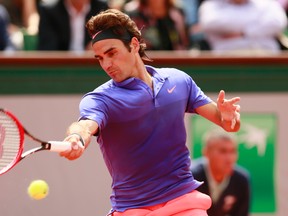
(56, 146)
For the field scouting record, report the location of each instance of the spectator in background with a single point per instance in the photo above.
(24, 20)
(31, 16)
(62, 24)
(161, 22)
(116, 4)
(235, 25)
(284, 4)
(196, 37)
(5, 43)
(227, 183)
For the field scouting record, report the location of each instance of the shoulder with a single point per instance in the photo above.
(99, 95)
(3, 13)
(241, 173)
(171, 70)
(175, 75)
(166, 71)
(197, 165)
(198, 169)
(103, 88)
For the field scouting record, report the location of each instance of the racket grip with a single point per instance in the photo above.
(59, 146)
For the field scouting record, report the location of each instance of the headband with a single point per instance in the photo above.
(111, 33)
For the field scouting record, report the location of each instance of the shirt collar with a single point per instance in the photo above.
(133, 81)
(72, 11)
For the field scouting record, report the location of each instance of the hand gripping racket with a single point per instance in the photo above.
(12, 142)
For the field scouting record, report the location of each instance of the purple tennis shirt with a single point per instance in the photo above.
(142, 135)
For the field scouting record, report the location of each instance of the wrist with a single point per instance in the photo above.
(80, 138)
(231, 119)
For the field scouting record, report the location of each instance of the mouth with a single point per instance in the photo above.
(111, 72)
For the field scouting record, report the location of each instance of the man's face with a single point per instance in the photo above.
(222, 155)
(115, 59)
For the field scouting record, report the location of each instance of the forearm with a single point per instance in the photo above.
(79, 134)
(84, 128)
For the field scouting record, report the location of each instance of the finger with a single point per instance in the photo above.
(221, 96)
(75, 146)
(233, 123)
(72, 154)
(237, 108)
(234, 100)
(68, 152)
(237, 116)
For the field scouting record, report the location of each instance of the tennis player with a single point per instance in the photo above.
(138, 119)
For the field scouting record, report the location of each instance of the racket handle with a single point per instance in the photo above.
(59, 146)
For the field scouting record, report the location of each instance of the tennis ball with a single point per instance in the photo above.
(38, 189)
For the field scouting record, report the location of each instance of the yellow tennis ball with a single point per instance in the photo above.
(38, 189)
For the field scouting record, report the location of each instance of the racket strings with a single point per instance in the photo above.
(9, 141)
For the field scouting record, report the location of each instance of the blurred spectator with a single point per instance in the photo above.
(196, 37)
(116, 4)
(24, 20)
(284, 4)
(234, 25)
(161, 22)
(62, 24)
(30, 16)
(227, 184)
(5, 43)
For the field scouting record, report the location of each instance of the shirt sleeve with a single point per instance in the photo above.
(197, 97)
(93, 107)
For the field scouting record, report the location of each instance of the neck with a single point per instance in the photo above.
(148, 80)
(145, 76)
(77, 5)
(218, 177)
(141, 73)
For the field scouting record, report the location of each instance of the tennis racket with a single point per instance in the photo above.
(12, 135)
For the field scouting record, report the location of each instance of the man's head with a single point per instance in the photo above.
(115, 24)
(221, 151)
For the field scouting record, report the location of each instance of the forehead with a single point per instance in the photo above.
(102, 46)
(222, 143)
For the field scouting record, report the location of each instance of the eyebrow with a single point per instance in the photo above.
(110, 49)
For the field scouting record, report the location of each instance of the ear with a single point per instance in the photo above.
(135, 44)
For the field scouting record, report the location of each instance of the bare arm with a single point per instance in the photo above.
(30, 16)
(84, 129)
(225, 113)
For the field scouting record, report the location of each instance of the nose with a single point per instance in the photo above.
(106, 64)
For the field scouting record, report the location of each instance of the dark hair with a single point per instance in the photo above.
(113, 18)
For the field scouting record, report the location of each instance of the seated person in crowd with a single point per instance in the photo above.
(196, 37)
(24, 18)
(5, 43)
(62, 24)
(242, 25)
(227, 184)
(161, 22)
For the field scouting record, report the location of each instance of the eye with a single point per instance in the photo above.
(98, 58)
(111, 53)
